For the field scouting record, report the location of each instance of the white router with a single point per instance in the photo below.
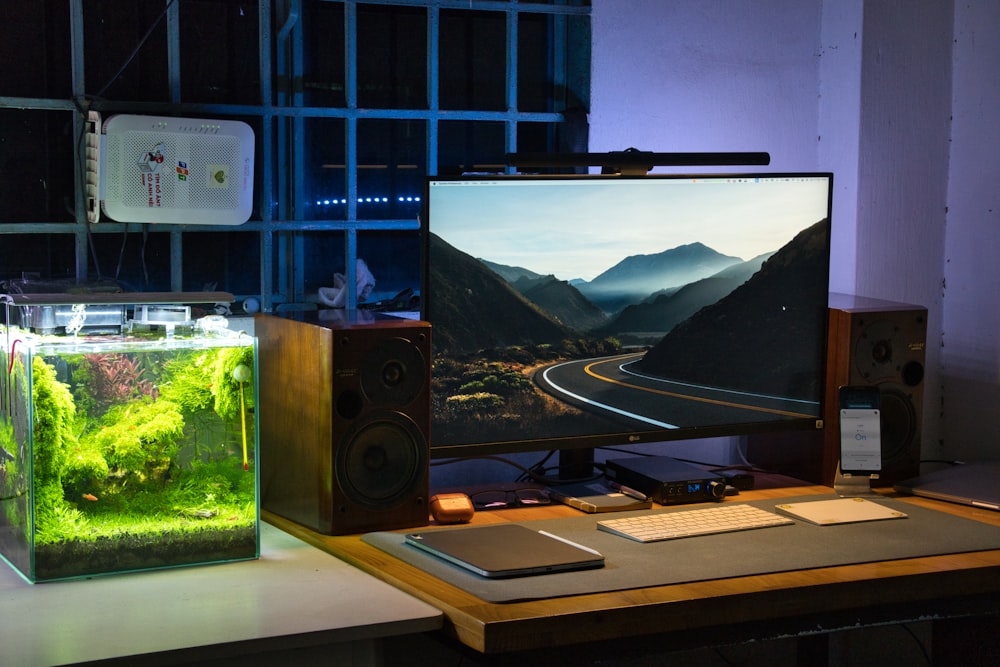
(156, 169)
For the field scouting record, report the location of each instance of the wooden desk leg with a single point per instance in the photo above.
(966, 642)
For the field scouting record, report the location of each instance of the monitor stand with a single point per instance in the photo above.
(854, 486)
(576, 464)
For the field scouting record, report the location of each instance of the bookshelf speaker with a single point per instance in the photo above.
(880, 343)
(344, 415)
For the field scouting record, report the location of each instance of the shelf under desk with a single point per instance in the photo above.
(733, 609)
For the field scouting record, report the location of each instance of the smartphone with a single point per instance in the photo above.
(860, 430)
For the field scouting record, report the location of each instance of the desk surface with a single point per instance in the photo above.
(683, 608)
(294, 596)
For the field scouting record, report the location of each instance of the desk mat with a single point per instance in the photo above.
(631, 564)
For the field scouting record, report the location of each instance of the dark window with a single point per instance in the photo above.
(352, 105)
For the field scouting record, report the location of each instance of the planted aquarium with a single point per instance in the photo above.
(129, 443)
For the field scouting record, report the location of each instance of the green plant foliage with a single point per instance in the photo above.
(85, 470)
(53, 438)
(225, 387)
(188, 381)
(125, 479)
(140, 438)
(61, 524)
(112, 378)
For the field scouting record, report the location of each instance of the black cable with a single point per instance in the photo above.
(135, 51)
(530, 472)
(142, 256)
(80, 149)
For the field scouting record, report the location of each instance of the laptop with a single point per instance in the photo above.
(506, 550)
(976, 484)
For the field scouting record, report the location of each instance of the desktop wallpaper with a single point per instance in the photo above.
(584, 308)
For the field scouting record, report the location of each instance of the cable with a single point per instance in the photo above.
(135, 51)
(531, 473)
(82, 106)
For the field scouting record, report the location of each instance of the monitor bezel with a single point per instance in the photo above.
(625, 437)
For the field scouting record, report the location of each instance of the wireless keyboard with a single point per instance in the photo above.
(724, 518)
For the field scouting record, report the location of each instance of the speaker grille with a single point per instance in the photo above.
(379, 461)
(900, 428)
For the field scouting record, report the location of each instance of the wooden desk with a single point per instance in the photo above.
(700, 613)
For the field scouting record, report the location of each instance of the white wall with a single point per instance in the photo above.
(970, 349)
(728, 75)
(903, 170)
(863, 89)
(710, 75)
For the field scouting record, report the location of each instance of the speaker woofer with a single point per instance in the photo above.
(379, 461)
(899, 426)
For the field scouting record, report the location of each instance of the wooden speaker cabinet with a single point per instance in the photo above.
(881, 343)
(344, 414)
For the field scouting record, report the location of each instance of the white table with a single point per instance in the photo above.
(295, 605)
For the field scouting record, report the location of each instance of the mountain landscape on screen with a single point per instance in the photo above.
(691, 314)
(648, 296)
(777, 299)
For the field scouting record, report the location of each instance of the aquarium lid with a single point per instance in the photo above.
(128, 298)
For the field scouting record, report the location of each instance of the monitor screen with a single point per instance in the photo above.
(595, 310)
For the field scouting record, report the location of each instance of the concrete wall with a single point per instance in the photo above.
(970, 344)
(867, 90)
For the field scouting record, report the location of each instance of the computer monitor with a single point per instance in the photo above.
(581, 311)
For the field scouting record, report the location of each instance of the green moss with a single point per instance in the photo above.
(188, 381)
(140, 438)
(52, 438)
(85, 470)
(226, 387)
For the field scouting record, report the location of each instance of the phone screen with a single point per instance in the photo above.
(860, 430)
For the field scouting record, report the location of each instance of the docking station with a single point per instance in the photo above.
(666, 480)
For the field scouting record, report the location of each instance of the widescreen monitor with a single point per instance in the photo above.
(587, 310)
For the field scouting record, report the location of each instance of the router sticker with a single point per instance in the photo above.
(150, 165)
(218, 176)
(152, 161)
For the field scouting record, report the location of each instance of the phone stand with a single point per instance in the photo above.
(854, 486)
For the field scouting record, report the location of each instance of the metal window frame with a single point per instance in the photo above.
(283, 117)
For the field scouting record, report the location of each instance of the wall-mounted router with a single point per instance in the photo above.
(159, 169)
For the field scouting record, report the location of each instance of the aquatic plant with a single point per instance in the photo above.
(188, 381)
(113, 378)
(12, 480)
(85, 469)
(225, 386)
(117, 482)
(60, 524)
(205, 386)
(53, 437)
(140, 438)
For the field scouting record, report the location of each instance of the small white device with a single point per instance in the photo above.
(159, 169)
(860, 431)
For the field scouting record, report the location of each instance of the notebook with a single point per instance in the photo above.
(506, 550)
(976, 483)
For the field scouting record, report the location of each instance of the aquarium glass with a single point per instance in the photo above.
(124, 452)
